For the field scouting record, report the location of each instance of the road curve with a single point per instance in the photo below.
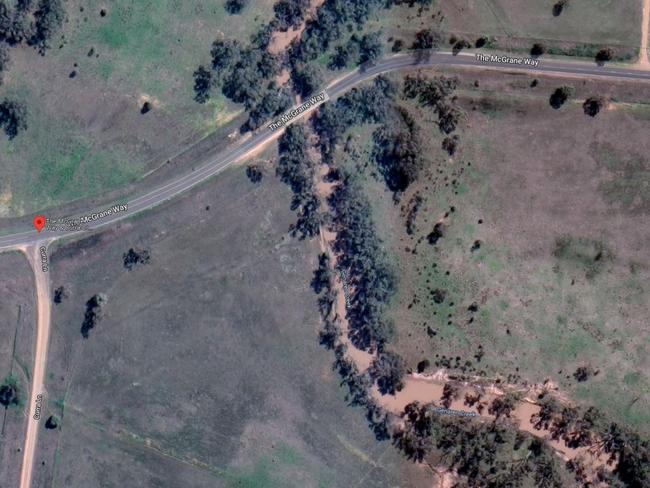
(338, 87)
(29, 241)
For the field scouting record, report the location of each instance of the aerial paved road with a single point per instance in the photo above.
(437, 60)
(30, 241)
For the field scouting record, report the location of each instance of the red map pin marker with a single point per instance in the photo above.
(39, 222)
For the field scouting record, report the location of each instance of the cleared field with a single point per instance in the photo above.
(17, 319)
(582, 28)
(205, 370)
(86, 134)
(543, 263)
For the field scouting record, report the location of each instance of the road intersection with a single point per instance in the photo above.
(34, 244)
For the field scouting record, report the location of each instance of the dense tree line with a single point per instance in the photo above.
(245, 75)
(289, 13)
(398, 151)
(436, 93)
(360, 50)
(369, 104)
(296, 169)
(328, 24)
(31, 22)
(370, 278)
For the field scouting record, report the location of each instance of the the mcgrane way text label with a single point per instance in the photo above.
(497, 58)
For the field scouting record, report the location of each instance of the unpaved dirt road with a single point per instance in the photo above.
(37, 394)
(643, 51)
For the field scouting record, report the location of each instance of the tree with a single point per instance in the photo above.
(560, 96)
(398, 152)
(339, 59)
(290, 13)
(306, 79)
(254, 173)
(460, 45)
(502, 405)
(370, 48)
(427, 39)
(415, 438)
(48, 17)
(593, 105)
(224, 54)
(559, 7)
(94, 309)
(537, 50)
(235, 6)
(388, 370)
(604, 55)
(13, 117)
(322, 275)
(135, 257)
(9, 393)
(202, 84)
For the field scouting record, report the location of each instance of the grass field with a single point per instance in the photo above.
(554, 204)
(17, 319)
(205, 370)
(86, 134)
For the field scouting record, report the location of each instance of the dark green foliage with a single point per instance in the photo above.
(415, 439)
(436, 93)
(502, 405)
(13, 117)
(560, 96)
(290, 13)
(559, 7)
(398, 45)
(135, 257)
(398, 151)
(369, 104)
(388, 370)
(370, 48)
(48, 17)
(604, 55)
(254, 173)
(9, 393)
(538, 49)
(322, 279)
(368, 272)
(52, 422)
(243, 74)
(93, 314)
(361, 50)
(60, 294)
(306, 78)
(202, 84)
(593, 105)
(327, 25)
(274, 102)
(427, 39)
(460, 45)
(340, 58)
(235, 6)
(224, 54)
(295, 168)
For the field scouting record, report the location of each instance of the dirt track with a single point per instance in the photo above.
(43, 299)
